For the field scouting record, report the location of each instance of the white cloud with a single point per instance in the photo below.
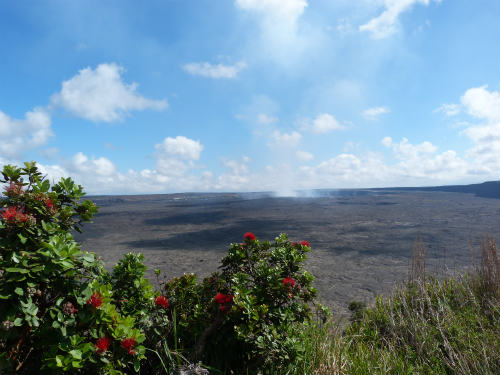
(102, 167)
(265, 119)
(484, 105)
(279, 39)
(236, 178)
(304, 155)
(180, 147)
(481, 103)
(18, 136)
(387, 141)
(373, 113)
(175, 156)
(323, 123)
(174, 162)
(218, 71)
(449, 109)
(421, 162)
(387, 22)
(411, 164)
(101, 95)
(405, 150)
(285, 139)
(282, 11)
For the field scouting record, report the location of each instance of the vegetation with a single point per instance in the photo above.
(427, 326)
(62, 312)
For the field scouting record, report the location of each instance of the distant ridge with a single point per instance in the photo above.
(489, 189)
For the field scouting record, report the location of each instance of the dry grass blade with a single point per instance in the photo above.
(490, 268)
(418, 260)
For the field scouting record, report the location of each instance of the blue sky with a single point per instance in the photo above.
(247, 95)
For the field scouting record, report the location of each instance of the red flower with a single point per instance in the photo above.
(128, 344)
(14, 189)
(288, 282)
(102, 344)
(222, 298)
(162, 301)
(49, 203)
(305, 243)
(69, 309)
(14, 215)
(249, 236)
(95, 300)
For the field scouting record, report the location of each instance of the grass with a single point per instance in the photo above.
(427, 326)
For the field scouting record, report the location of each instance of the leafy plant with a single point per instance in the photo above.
(249, 315)
(56, 309)
(61, 311)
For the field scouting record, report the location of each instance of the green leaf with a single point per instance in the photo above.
(45, 185)
(38, 268)
(18, 270)
(75, 353)
(55, 324)
(137, 365)
(19, 291)
(22, 238)
(67, 264)
(18, 322)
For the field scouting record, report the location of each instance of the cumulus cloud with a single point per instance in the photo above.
(174, 156)
(279, 37)
(374, 113)
(449, 109)
(18, 136)
(421, 161)
(265, 119)
(180, 147)
(217, 71)
(282, 11)
(304, 155)
(236, 177)
(483, 105)
(174, 162)
(96, 175)
(405, 150)
(409, 163)
(102, 167)
(387, 22)
(387, 141)
(291, 139)
(323, 123)
(101, 95)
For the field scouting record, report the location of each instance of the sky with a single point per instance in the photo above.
(171, 96)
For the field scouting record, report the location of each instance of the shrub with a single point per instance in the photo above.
(61, 311)
(248, 316)
(55, 307)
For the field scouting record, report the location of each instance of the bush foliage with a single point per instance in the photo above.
(62, 312)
